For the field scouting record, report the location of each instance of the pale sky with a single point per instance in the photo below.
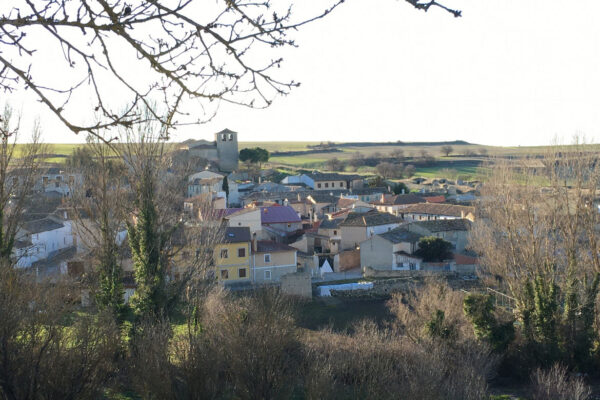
(509, 72)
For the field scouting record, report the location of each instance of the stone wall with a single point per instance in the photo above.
(349, 259)
(369, 272)
(297, 284)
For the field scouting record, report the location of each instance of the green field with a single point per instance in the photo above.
(462, 163)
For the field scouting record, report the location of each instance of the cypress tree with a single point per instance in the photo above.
(146, 242)
(225, 186)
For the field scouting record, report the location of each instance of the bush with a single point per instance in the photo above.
(556, 384)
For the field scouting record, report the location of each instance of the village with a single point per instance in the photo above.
(316, 228)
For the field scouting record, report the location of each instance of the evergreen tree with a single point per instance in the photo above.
(479, 309)
(432, 248)
(146, 242)
(226, 186)
(110, 293)
(437, 327)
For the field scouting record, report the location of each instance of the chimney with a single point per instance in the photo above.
(286, 202)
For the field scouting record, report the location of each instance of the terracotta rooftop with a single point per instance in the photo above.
(442, 225)
(371, 218)
(450, 210)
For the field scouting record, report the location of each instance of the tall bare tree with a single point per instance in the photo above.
(538, 236)
(19, 166)
(98, 203)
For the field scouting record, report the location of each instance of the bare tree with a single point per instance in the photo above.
(397, 154)
(389, 170)
(99, 212)
(447, 150)
(555, 383)
(334, 164)
(19, 165)
(538, 239)
(409, 170)
(357, 159)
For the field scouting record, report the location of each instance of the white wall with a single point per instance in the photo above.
(46, 243)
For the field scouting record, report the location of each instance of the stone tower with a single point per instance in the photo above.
(227, 150)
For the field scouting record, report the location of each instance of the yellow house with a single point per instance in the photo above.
(232, 256)
(270, 261)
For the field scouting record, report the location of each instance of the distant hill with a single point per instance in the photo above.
(400, 143)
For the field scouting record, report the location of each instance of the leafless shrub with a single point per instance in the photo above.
(375, 363)
(42, 355)
(415, 308)
(150, 365)
(556, 384)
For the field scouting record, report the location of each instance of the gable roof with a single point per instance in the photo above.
(407, 199)
(278, 215)
(265, 246)
(41, 225)
(226, 130)
(238, 234)
(369, 190)
(401, 235)
(400, 199)
(371, 218)
(450, 210)
(331, 223)
(442, 225)
(234, 212)
(205, 175)
(323, 198)
(435, 199)
(321, 177)
(346, 203)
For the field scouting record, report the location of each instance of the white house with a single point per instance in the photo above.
(208, 182)
(56, 180)
(41, 239)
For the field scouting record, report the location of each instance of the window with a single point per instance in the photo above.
(326, 184)
(242, 272)
(335, 232)
(223, 137)
(289, 225)
(230, 137)
(57, 183)
(412, 266)
(224, 253)
(267, 274)
(319, 185)
(241, 252)
(267, 258)
(224, 274)
(341, 184)
(45, 180)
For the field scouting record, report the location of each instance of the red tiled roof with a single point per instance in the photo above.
(435, 199)
(462, 259)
